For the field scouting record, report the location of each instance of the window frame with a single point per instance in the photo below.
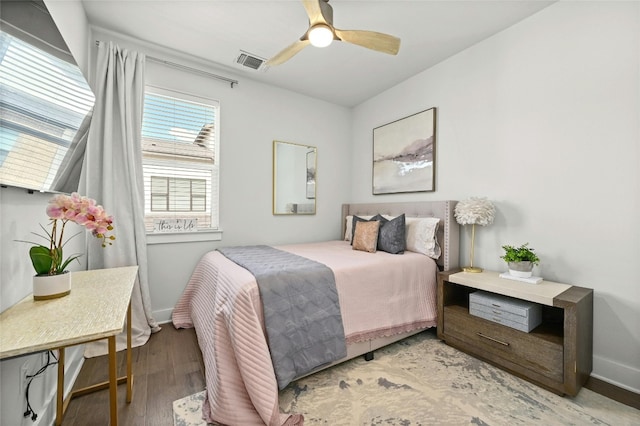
(213, 233)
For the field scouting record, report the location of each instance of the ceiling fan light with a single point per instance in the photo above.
(320, 36)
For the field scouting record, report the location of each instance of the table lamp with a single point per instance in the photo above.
(474, 211)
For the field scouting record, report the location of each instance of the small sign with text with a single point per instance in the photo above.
(175, 225)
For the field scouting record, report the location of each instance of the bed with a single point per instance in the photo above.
(378, 306)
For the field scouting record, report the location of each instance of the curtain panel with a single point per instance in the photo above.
(112, 175)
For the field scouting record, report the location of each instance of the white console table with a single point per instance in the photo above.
(95, 309)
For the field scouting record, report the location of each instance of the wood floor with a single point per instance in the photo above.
(170, 367)
(167, 368)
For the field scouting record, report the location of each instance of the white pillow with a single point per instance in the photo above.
(349, 232)
(421, 235)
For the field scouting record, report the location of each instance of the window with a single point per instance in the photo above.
(180, 158)
(178, 194)
(43, 100)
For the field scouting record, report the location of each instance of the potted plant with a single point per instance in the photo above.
(520, 260)
(51, 279)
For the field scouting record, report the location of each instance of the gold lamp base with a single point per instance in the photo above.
(471, 268)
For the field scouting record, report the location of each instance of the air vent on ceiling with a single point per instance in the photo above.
(250, 60)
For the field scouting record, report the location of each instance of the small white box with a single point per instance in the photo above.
(515, 313)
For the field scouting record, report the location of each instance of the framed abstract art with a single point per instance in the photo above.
(404, 154)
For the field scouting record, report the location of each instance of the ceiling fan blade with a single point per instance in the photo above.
(371, 40)
(318, 11)
(288, 52)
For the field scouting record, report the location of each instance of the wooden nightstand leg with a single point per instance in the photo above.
(60, 392)
(113, 381)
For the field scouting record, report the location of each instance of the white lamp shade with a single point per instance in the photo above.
(475, 211)
(320, 36)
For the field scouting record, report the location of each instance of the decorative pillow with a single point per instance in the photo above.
(365, 236)
(349, 230)
(348, 234)
(357, 219)
(391, 236)
(421, 235)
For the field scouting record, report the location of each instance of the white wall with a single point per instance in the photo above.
(252, 115)
(72, 23)
(544, 120)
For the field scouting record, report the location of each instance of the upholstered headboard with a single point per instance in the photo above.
(448, 232)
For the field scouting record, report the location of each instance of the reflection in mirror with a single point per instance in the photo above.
(45, 97)
(294, 178)
(311, 174)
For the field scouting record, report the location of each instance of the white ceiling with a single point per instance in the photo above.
(344, 74)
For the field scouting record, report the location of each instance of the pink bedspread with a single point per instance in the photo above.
(380, 295)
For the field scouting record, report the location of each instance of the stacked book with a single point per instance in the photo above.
(530, 280)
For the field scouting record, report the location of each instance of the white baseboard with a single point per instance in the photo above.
(163, 316)
(620, 375)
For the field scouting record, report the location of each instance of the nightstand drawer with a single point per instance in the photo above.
(514, 313)
(535, 353)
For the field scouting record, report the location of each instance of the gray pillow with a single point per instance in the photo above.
(391, 236)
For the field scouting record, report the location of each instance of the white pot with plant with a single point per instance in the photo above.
(52, 279)
(520, 260)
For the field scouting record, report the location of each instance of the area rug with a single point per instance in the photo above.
(422, 381)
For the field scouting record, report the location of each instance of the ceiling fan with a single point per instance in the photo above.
(321, 33)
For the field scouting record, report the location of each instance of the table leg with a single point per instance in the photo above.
(60, 391)
(129, 369)
(113, 381)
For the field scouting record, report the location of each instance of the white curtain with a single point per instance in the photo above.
(112, 175)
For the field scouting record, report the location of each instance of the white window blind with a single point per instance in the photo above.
(180, 158)
(171, 194)
(43, 101)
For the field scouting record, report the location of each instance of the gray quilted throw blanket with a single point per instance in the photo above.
(301, 309)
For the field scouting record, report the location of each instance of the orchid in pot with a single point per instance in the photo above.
(48, 260)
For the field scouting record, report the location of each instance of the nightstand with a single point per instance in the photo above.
(556, 355)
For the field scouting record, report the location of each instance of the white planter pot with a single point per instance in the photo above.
(520, 269)
(51, 286)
